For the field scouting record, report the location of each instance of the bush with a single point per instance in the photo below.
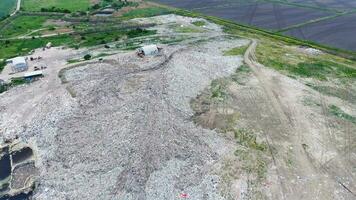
(139, 32)
(87, 57)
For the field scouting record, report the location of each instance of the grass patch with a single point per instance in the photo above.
(146, 12)
(187, 29)
(252, 154)
(236, 51)
(293, 62)
(111, 36)
(241, 75)
(22, 25)
(336, 111)
(217, 89)
(17, 81)
(199, 23)
(21, 47)
(71, 61)
(342, 93)
(248, 139)
(37, 5)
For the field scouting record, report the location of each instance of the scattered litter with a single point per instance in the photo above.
(183, 195)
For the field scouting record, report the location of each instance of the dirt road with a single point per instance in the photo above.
(317, 180)
(18, 6)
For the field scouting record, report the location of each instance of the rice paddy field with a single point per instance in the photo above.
(6, 6)
(329, 22)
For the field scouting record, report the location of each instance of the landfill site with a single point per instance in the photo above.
(170, 121)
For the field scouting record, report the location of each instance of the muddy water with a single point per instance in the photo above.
(22, 155)
(5, 166)
(21, 196)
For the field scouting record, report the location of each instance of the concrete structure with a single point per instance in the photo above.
(29, 76)
(148, 50)
(19, 64)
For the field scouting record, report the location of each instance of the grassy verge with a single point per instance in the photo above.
(199, 23)
(297, 61)
(336, 111)
(236, 51)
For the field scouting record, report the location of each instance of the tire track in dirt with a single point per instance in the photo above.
(294, 127)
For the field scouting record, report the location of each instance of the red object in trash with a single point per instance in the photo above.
(183, 195)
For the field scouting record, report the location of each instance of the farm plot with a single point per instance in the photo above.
(36, 5)
(267, 15)
(6, 6)
(199, 4)
(341, 5)
(338, 32)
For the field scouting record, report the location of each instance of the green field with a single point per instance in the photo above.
(6, 6)
(146, 12)
(22, 25)
(36, 5)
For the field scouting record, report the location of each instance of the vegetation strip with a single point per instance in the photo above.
(288, 39)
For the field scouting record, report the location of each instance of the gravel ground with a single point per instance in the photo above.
(126, 131)
(133, 130)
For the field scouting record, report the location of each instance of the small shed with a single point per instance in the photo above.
(148, 50)
(29, 76)
(19, 64)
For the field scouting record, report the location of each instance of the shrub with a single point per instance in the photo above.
(87, 57)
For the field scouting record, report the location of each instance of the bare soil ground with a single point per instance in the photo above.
(310, 152)
(159, 128)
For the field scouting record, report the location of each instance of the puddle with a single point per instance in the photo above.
(21, 155)
(5, 166)
(17, 167)
(21, 196)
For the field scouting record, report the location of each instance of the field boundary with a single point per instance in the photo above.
(300, 25)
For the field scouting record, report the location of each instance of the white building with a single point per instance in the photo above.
(19, 64)
(148, 50)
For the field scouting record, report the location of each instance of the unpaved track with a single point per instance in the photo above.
(18, 6)
(295, 128)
